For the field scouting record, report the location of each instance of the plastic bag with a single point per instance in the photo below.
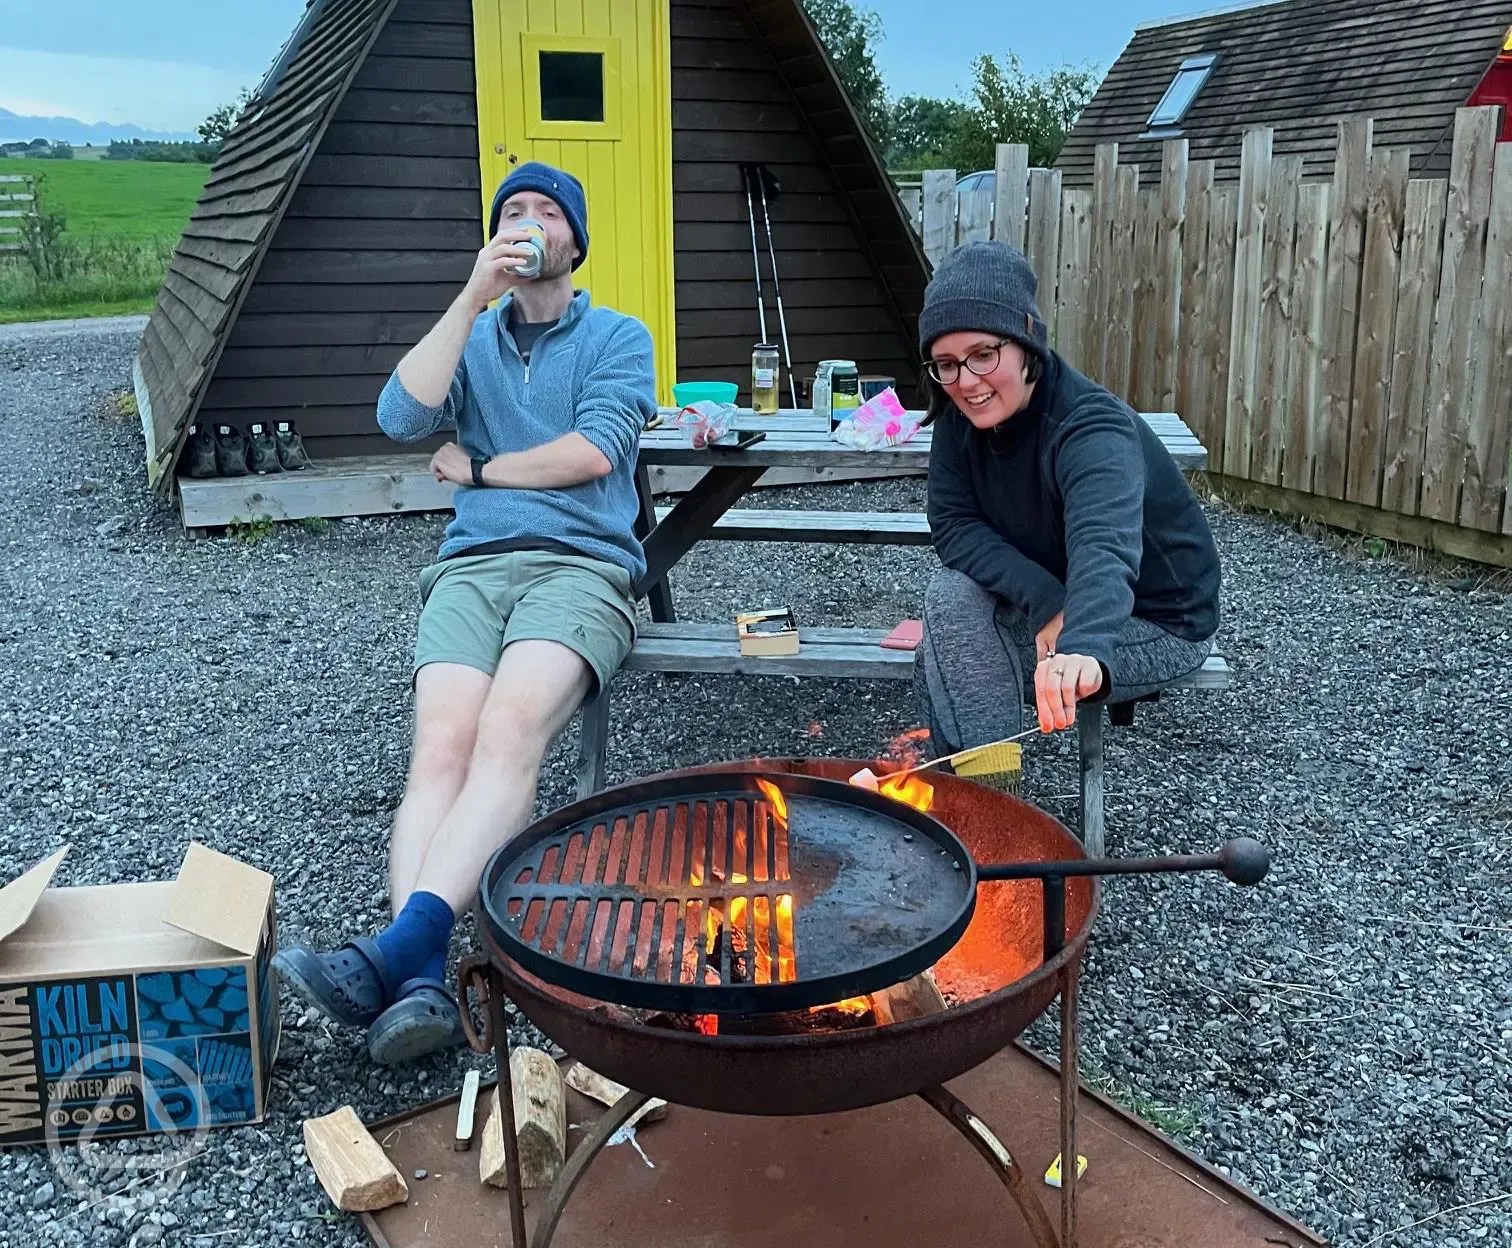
(880, 422)
(706, 421)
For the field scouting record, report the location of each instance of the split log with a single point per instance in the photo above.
(467, 1109)
(914, 998)
(350, 1164)
(540, 1110)
(606, 1092)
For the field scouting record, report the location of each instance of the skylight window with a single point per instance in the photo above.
(1189, 80)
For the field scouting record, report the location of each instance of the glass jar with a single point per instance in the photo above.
(845, 391)
(821, 399)
(764, 368)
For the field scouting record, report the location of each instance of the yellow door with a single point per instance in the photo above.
(585, 85)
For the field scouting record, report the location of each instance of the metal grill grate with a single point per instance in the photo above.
(686, 893)
(737, 899)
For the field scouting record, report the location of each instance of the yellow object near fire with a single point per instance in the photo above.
(599, 106)
(1053, 1175)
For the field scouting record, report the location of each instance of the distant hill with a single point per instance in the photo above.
(15, 128)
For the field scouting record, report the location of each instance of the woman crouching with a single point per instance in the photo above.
(1078, 566)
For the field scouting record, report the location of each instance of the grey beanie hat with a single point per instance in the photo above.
(988, 287)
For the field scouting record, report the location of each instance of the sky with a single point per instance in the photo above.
(165, 64)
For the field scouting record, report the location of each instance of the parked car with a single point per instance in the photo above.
(981, 180)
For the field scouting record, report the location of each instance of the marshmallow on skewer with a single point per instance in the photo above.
(866, 779)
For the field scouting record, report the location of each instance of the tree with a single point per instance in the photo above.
(214, 129)
(1011, 106)
(923, 129)
(849, 34)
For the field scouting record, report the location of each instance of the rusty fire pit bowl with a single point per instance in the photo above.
(995, 979)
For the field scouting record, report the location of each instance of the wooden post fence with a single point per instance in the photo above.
(18, 200)
(1342, 347)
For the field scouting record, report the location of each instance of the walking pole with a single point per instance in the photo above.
(747, 172)
(777, 282)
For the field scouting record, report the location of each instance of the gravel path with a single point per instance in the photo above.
(1339, 1039)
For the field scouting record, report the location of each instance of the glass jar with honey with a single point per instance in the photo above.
(764, 370)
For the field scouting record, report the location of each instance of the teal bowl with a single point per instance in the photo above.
(686, 392)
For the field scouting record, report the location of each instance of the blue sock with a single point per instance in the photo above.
(414, 944)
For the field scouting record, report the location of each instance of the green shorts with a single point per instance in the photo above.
(475, 605)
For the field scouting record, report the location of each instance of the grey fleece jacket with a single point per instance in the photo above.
(1074, 505)
(591, 373)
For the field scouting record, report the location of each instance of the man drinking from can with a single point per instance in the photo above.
(529, 608)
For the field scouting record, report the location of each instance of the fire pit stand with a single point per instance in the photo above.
(487, 987)
(539, 902)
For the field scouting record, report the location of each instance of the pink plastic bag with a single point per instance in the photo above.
(879, 422)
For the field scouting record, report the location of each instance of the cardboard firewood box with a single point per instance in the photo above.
(767, 633)
(130, 1009)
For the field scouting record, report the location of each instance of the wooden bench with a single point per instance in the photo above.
(875, 528)
(839, 653)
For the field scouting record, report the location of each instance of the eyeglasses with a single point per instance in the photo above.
(981, 362)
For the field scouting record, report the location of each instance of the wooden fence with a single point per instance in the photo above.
(18, 200)
(1345, 345)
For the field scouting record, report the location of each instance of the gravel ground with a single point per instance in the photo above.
(1337, 1039)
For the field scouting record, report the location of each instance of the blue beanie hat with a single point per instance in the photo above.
(555, 184)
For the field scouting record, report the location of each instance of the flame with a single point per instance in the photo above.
(912, 791)
(856, 1007)
(706, 1024)
(787, 966)
(775, 800)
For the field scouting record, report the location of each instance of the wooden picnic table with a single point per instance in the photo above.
(794, 439)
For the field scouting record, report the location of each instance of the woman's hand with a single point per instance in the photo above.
(1060, 681)
(1045, 639)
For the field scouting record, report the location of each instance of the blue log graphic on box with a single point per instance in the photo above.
(207, 1002)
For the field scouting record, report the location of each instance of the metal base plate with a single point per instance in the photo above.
(892, 1175)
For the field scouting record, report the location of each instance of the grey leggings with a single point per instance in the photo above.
(974, 673)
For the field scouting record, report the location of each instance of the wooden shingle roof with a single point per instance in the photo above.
(249, 187)
(894, 248)
(1299, 66)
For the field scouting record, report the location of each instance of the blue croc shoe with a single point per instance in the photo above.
(349, 986)
(424, 1019)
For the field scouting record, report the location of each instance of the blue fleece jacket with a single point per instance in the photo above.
(592, 373)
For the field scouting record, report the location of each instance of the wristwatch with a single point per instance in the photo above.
(478, 465)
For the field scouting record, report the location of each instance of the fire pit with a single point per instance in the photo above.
(638, 929)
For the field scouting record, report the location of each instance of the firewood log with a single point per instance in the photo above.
(914, 998)
(351, 1165)
(540, 1109)
(606, 1092)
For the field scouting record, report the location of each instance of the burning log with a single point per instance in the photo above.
(540, 1110)
(606, 1092)
(853, 1015)
(914, 998)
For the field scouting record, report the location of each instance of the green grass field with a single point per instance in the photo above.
(122, 219)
